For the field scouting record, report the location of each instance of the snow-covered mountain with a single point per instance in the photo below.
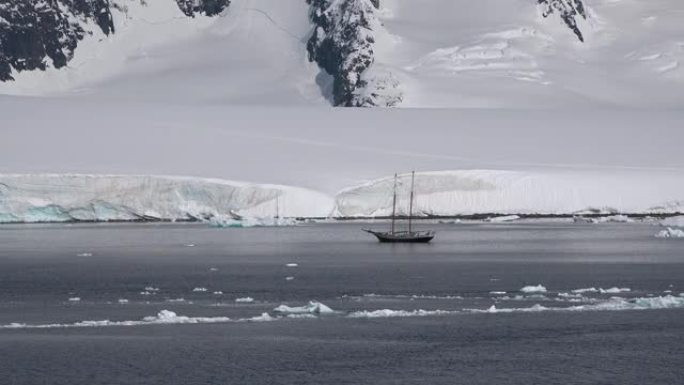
(404, 53)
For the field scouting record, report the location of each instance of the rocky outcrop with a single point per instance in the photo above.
(206, 7)
(343, 45)
(35, 34)
(32, 32)
(568, 10)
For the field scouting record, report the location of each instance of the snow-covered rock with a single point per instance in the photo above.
(59, 197)
(345, 33)
(463, 192)
(570, 11)
(37, 34)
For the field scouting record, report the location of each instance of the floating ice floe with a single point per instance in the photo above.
(218, 292)
(388, 313)
(313, 307)
(244, 300)
(533, 289)
(74, 299)
(502, 219)
(123, 301)
(411, 297)
(586, 290)
(615, 290)
(612, 304)
(164, 317)
(199, 290)
(670, 233)
(151, 289)
(232, 222)
(497, 292)
(175, 300)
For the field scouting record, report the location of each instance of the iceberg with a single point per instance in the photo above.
(533, 289)
(313, 307)
(79, 197)
(670, 233)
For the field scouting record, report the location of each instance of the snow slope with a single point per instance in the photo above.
(57, 198)
(253, 53)
(492, 53)
(436, 53)
(494, 191)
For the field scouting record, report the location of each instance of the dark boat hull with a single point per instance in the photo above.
(403, 237)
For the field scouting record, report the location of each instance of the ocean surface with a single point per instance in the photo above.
(324, 303)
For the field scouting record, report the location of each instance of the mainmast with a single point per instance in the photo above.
(413, 177)
(394, 203)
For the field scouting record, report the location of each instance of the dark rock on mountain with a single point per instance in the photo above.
(31, 32)
(342, 44)
(206, 7)
(35, 33)
(568, 10)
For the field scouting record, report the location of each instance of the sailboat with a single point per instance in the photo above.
(410, 236)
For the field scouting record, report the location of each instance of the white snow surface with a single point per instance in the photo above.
(254, 53)
(57, 197)
(445, 53)
(514, 192)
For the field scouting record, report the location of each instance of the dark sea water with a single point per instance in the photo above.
(123, 273)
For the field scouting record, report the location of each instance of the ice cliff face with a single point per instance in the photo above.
(465, 192)
(35, 34)
(568, 10)
(62, 198)
(343, 45)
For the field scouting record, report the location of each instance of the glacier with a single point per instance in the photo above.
(468, 192)
(74, 197)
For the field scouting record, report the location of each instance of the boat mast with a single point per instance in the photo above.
(277, 202)
(413, 177)
(394, 203)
